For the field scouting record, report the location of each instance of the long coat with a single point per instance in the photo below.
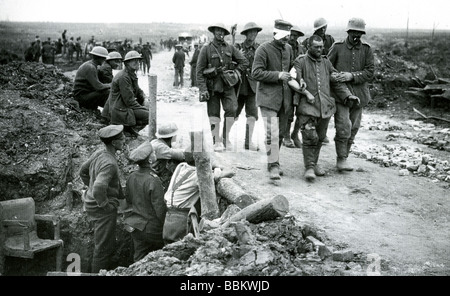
(270, 60)
(125, 95)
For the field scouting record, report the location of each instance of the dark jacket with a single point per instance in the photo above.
(317, 75)
(86, 79)
(357, 60)
(178, 59)
(270, 60)
(101, 174)
(125, 95)
(105, 73)
(145, 193)
(223, 57)
(248, 84)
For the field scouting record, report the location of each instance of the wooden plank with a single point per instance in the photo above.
(444, 80)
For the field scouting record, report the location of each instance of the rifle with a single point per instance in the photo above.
(233, 33)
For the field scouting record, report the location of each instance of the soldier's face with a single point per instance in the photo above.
(316, 48)
(355, 36)
(251, 35)
(219, 34)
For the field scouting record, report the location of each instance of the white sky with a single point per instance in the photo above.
(423, 14)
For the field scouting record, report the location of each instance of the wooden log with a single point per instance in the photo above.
(208, 199)
(244, 234)
(235, 194)
(437, 87)
(444, 80)
(263, 210)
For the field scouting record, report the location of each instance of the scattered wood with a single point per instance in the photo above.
(429, 117)
(232, 192)
(263, 210)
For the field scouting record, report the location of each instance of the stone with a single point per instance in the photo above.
(403, 172)
(343, 256)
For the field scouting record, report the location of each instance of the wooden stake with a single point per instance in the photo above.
(152, 87)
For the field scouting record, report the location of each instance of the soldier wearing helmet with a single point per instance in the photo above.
(178, 60)
(167, 158)
(105, 70)
(320, 29)
(247, 89)
(354, 59)
(87, 89)
(126, 100)
(217, 59)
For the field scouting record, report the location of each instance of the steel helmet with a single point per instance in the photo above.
(99, 51)
(167, 130)
(218, 25)
(114, 55)
(131, 55)
(298, 30)
(356, 24)
(320, 23)
(250, 26)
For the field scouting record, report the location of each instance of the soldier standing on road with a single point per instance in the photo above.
(145, 194)
(247, 90)
(105, 70)
(214, 59)
(292, 140)
(316, 110)
(320, 29)
(88, 91)
(193, 63)
(354, 59)
(146, 58)
(178, 59)
(101, 200)
(273, 61)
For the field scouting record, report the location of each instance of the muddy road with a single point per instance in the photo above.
(402, 219)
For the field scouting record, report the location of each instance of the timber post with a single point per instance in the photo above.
(152, 88)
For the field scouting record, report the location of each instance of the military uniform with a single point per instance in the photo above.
(219, 54)
(358, 60)
(87, 89)
(314, 118)
(105, 73)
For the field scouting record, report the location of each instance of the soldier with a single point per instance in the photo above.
(167, 158)
(146, 58)
(247, 89)
(48, 53)
(193, 63)
(178, 60)
(87, 89)
(316, 110)
(216, 78)
(273, 61)
(145, 194)
(126, 99)
(354, 59)
(64, 41)
(101, 200)
(105, 70)
(292, 140)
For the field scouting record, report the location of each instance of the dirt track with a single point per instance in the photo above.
(403, 219)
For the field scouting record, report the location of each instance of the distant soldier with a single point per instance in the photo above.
(64, 41)
(193, 63)
(48, 53)
(37, 50)
(147, 57)
(178, 60)
(78, 49)
(29, 53)
(70, 49)
(59, 46)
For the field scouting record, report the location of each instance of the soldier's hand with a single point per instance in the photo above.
(302, 84)
(204, 96)
(356, 101)
(344, 77)
(310, 98)
(284, 76)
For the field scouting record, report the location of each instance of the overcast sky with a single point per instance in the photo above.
(423, 14)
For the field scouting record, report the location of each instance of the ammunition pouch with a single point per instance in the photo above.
(210, 73)
(231, 77)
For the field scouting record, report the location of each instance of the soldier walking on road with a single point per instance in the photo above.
(178, 59)
(315, 111)
(273, 61)
(219, 67)
(354, 59)
(247, 89)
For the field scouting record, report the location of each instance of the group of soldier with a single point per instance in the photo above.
(309, 82)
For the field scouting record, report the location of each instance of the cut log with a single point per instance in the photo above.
(444, 95)
(231, 191)
(420, 94)
(208, 200)
(263, 210)
(244, 234)
(444, 80)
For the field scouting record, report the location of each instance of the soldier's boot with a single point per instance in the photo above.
(249, 127)
(287, 137)
(309, 161)
(318, 170)
(342, 154)
(294, 135)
